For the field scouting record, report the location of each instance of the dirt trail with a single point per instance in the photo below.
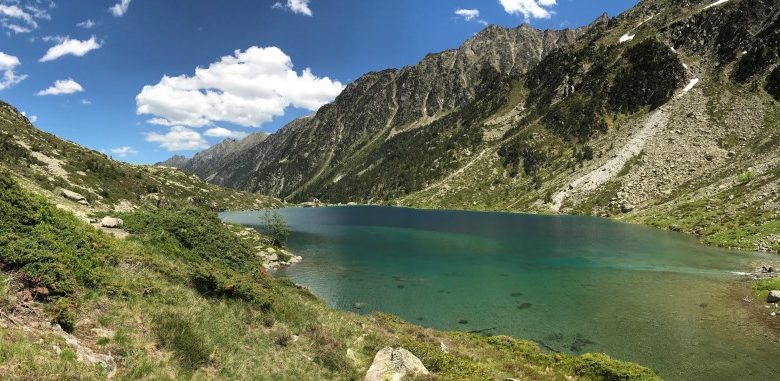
(590, 181)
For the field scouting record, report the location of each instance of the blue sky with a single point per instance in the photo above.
(92, 71)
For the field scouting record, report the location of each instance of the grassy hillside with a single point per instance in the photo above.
(183, 298)
(49, 164)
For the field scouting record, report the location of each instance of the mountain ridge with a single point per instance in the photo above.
(632, 117)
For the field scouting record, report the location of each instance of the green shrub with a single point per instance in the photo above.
(598, 366)
(193, 234)
(329, 351)
(649, 76)
(276, 227)
(177, 334)
(746, 177)
(773, 83)
(281, 337)
(48, 247)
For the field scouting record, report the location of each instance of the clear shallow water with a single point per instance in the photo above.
(573, 284)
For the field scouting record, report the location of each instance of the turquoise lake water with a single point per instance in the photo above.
(572, 284)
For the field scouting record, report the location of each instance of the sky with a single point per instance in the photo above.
(142, 80)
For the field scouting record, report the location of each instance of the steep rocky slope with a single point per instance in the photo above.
(318, 150)
(86, 180)
(666, 114)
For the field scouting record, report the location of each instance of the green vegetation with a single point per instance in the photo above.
(746, 177)
(763, 286)
(49, 163)
(773, 83)
(276, 227)
(182, 298)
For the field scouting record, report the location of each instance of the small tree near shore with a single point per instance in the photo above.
(276, 227)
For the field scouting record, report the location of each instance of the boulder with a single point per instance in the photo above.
(626, 207)
(111, 222)
(71, 195)
(773, 297)
(394, 364)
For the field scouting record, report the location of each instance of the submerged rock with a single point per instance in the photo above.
(395, 364)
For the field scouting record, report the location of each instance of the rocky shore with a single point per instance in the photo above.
(273, 257)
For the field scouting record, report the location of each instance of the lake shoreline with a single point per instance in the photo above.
(629, 221)
(348, 261)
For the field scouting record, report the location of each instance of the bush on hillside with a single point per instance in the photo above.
(649, 75)
(46, 246)
(276, 227)
(773, 83)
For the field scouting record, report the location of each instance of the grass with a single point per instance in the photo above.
(763, 286)
(103, 181)
(182, 299)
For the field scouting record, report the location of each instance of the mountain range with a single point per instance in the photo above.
(665, 115)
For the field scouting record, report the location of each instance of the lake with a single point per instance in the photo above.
(572, 284)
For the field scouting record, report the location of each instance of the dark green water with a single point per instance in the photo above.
(573, 284)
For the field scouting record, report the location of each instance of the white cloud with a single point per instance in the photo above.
(18, 17)
(119, 9)
(63, 86)
(537, 9)
(14, 12)
(38, 12)
(248, 88)
(70, 46)
(31, 118)
(123, 151)
(467, 14)
(224, 133)
(86, 102)
(179, 138)
(86, 24)
(18, 29)
(8, 64)
(296, 6)
(470, 15)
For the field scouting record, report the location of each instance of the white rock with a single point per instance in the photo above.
(71, 195)
(111, 222)
(394, 364)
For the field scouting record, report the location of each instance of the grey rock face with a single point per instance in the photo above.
(375, 106)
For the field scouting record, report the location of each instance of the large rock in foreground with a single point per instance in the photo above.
(393, 364)
(111, 222)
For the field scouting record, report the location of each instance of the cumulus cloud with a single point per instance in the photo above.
(123, 151)
(537, 9)
(8, 64)
(248, 88)
(61, 87)
(178, 138)
(86, 24)
(70, 46)
(119, 9)
(296, 6)
(470, 15)
(224, 133)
